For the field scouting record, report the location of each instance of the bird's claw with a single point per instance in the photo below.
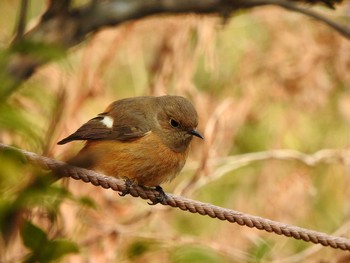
(160, 198)
(128, 184)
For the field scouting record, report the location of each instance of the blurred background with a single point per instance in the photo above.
(272, 89)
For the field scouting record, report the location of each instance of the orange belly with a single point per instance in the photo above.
(146, 160)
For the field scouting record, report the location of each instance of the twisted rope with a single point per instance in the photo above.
(185, 204)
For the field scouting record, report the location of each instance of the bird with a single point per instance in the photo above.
(144, 140)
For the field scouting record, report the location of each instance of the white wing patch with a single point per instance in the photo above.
(147, 133)
(107, 121)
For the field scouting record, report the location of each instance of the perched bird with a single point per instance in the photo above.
(143, 139)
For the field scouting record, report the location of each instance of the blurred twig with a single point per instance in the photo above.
(64, 170)
(343, 30)
(55, 121)
(230, 163)
(210, 134)
(62, 27)
(303, 255)
(184, 240)
(57, 8)
(21, 23)
(324, 155)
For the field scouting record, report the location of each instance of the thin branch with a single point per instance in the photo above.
(68, 27)
(21, 23)
(56, 8)
(343, 30)
(114, 12)
(228, 164)
(185, 204)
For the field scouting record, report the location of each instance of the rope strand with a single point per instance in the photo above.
(185, 204)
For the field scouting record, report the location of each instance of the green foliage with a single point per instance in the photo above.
(37, 53)
(184, 223)
(259, 251)
(193, 254)
(41, 51)
(138, 248)
(43, 249)
(9, 57)
(17, 121)
(22, 189)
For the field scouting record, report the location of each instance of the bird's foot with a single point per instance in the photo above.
(128, 184)
(161, 197)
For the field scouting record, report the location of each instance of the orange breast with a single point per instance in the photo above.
(146, 160)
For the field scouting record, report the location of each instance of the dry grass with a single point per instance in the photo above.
(266, 80)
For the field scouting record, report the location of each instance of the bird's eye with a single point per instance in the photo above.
(174, 123)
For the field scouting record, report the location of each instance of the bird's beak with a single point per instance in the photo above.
(196, 133)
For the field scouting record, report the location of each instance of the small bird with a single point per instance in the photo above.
(144, 140)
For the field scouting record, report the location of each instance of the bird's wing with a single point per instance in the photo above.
(127, 126)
